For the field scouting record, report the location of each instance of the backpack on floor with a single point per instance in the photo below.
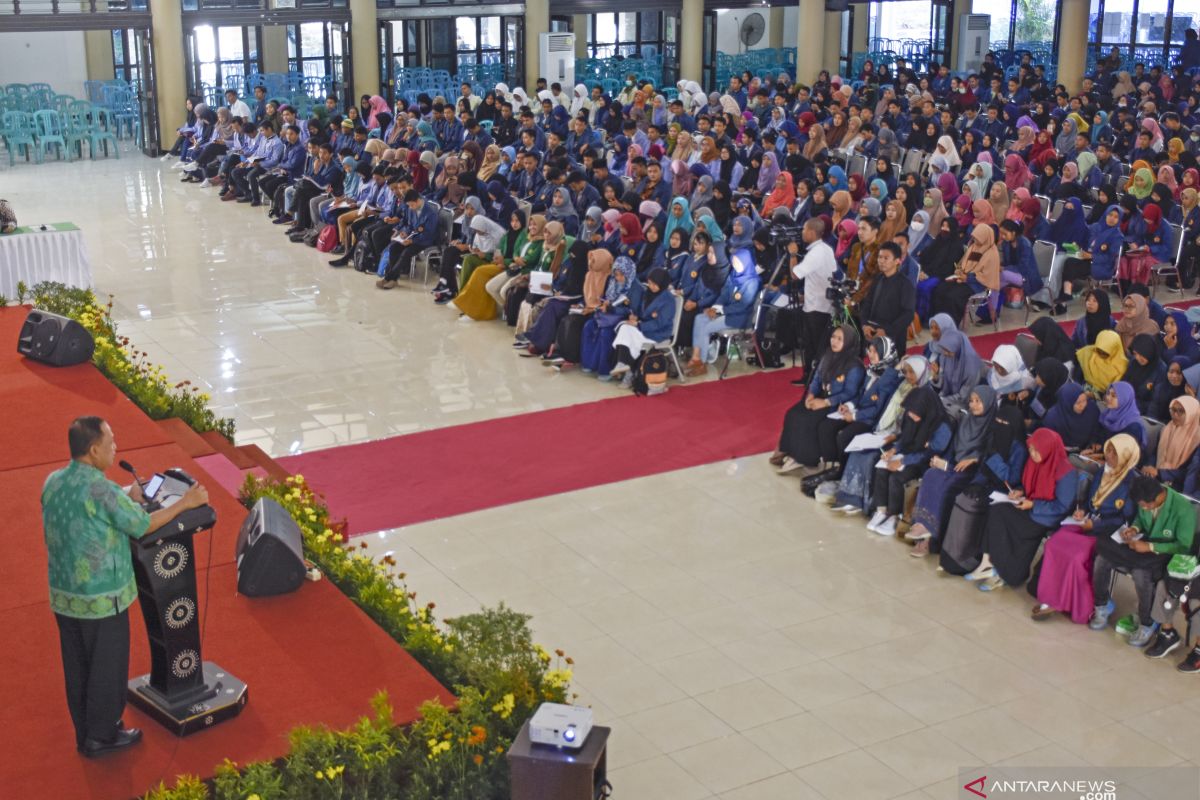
(364, 258)
(311, 237)
(568, 339)
(328, 238)
(962, 545)
(650, 377)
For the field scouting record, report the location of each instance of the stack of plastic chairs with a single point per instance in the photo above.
(17, 131)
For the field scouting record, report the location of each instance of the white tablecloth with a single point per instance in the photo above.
(43, 256)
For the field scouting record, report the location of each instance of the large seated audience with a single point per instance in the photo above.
(834, 221)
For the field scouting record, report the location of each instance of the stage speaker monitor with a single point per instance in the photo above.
(55, 340)
(270, 558)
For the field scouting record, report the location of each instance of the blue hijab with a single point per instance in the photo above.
(842, 181)
(960, 364)
(1076, 430)
(1103, 233)
(1071, 226)
(620, 153)
(1185, 345)
(1125, 414)
(684, 221)
(1101, 130)
(711, 228)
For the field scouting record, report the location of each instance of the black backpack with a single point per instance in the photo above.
(650, 377)
(365, 259)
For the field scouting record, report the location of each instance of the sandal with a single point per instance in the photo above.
(695, 369)
(776, 459)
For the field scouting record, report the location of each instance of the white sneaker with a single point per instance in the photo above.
(204, 184)
(849, 510)
(180, 164)
(886, 528)
(880, 516)
(620, 368)
(191, 166)
(167, 157)
(789, 465)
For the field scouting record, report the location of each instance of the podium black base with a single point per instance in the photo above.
(222, 698)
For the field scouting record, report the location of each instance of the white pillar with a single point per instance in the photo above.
(810, 40)
(537, 22)
(364, 49)
(833, 41)
(275, 52)
(775, 28)
(691, 41)
(1072, 44)
(961, 7)
(170, 82)
(579, 27)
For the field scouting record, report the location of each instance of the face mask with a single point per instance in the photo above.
(918, 226)
(629, 83)
(929, 202)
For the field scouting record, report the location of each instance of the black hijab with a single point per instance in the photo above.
(1053, 341)
(1007, 427)
(662, 279)
(1053, 373)
(924, 402)
(940, 258)
(511, 236)
(835, 365)
(1138, 375)
(1099, 321)
(714, 275)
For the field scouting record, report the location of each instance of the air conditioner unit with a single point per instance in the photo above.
(557, 64)
(974, 36)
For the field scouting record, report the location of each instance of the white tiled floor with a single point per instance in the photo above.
(742, 642)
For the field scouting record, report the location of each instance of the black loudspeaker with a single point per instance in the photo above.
(56, 340)
(270, 558)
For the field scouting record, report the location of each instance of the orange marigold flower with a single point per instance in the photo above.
(478, 759)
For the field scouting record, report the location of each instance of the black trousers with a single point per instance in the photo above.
(95, 656)
(451, 257)
(304, 196)
(815, 338)
(401, 258)
(889, 487)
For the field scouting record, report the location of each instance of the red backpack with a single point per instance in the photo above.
(328, 238)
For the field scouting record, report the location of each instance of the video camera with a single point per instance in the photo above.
(778, 234)
(840, 290)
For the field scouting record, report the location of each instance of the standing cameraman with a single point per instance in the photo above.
(816, 269)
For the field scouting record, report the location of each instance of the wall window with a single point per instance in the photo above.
(223, 56)
(625, 34)
(125, 57)
(315, 49)
(1142, 30)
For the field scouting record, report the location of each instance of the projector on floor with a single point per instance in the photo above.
(560, 725)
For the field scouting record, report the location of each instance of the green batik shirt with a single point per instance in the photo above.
(88, 522)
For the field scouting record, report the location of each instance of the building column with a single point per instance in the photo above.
(691, 41)
(170, 79)
(537, 22)
(810, 40)
(775, 28)
(275, 50)
(833, 42)
(364, 49)
(961, 9)
(579, 26)
(862, 27)
(1072, 48)
(99, 48)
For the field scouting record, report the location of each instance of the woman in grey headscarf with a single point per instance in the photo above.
(888, 148)
(562, 210)
(703, 194)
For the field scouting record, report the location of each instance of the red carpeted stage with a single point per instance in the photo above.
(309, 657)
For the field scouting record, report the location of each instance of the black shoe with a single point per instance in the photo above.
(1192, 662)
(1164, 643)
(283, 220)
(1038, 305)
(442, 300)
(293, 229)
(255, 204)
(1058, 310)
(338, 251)
(125, 737)
(243, 199)
(800, 382)
(340, 262)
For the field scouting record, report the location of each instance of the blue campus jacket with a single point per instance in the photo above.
(874, 396)
(997, 472)
(1018, 256)
(293, 160)
(737, 298)
(938, 445)
(656, 318)
(843, 388)
(421, 224)
(1115, 510)
(1104, 246)
(1048, 513)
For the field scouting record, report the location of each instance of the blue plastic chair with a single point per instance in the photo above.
(49, 132)
(17, 132)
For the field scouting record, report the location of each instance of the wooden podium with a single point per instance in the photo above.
(182, 691)
(542, 771)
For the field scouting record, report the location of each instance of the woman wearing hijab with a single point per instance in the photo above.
(1102, 363)
(979, 181)
(1016, 172)
(1062, 581)
(937, 260)
(999, 201)
(514, 251)
(1099, 261)
(1177, 339)
(1148, 243)
(855, 488)
(925, 432)
(679, 215)
(1064, 143)
(562, 211)
(1015, 530)
(580, 285)
(1145, 370)
(1175, 385)
(948, 474)
(1052, 340)
(919, 236)
(1118, 414)
(957, 366)
(948, 185)
(1009, 376)
(622, 298)
(1175, 462)
(1070, 227)
(1135, 320)
(836, 382)
(703, 194)
(978, 271)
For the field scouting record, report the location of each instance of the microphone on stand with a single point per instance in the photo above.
(125, 465)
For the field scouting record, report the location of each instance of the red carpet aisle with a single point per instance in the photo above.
(441, 473)
(309, 657)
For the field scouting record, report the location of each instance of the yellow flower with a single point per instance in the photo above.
(320, 775)
(253, 797)
(299, 478)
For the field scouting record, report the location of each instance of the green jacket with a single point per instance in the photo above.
(88, 521)
(1171, 530)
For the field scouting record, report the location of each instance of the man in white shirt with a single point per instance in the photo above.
(237, 107)
(816, 269)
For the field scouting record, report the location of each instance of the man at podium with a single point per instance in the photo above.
(88, 521)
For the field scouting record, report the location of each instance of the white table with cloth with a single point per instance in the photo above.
(32, 255)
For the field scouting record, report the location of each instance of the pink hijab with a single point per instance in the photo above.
(949, 186)
(378, 106)
(1014, 207)
(1016, 173)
